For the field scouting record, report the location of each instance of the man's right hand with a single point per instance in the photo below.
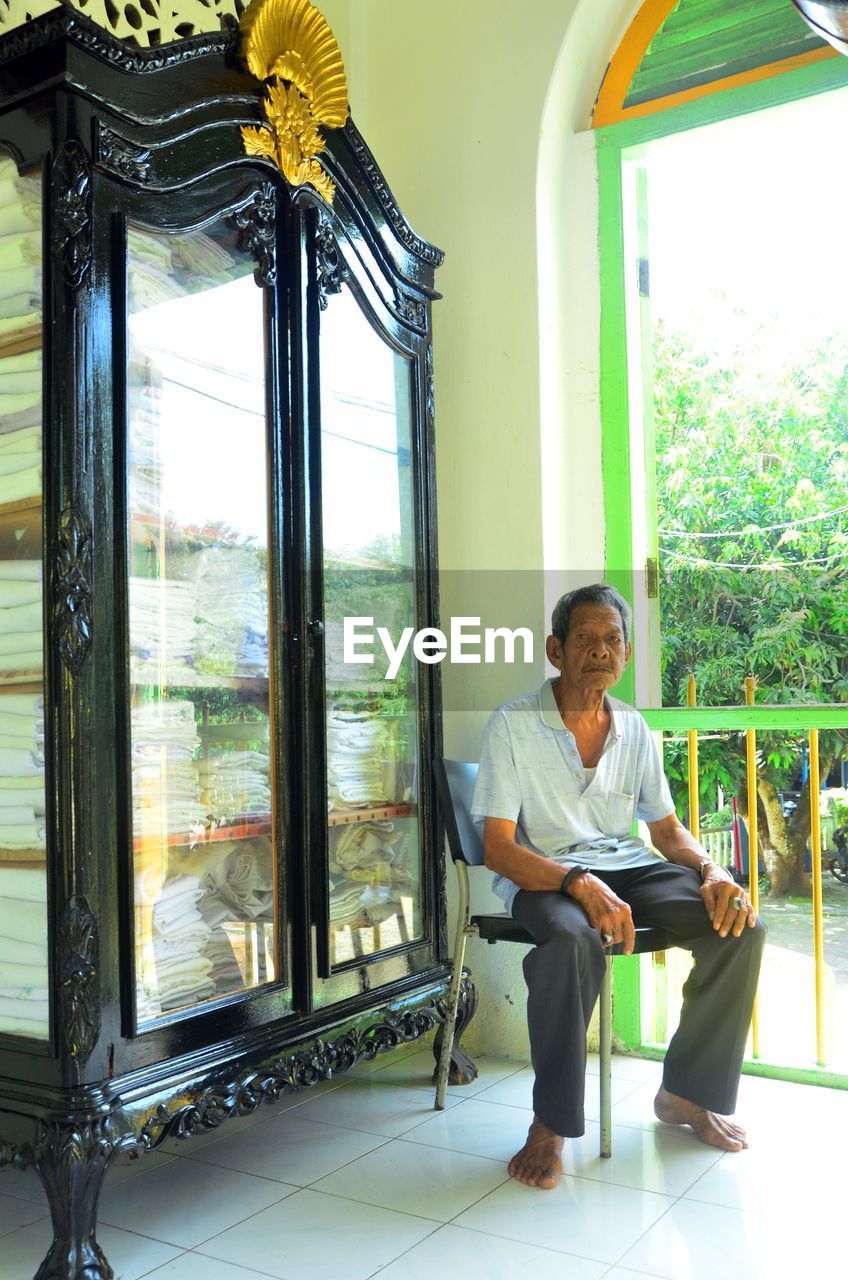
(606, 912)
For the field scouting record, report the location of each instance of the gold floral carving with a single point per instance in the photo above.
(289, 45)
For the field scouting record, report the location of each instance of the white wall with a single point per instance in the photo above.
(478, 114)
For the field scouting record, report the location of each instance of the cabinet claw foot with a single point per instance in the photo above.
(71, 1163)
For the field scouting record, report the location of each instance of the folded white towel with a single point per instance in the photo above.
(25, 884)
(14, 817)
(20, 642)
(29, 663)
(20, 311)
(24, 975)
(19, 763)
(24, 704)
(23, 952)
(22, 250)
(26, 570)
(23, 484)
(25, 279)
(24, 215)
(24, 1027)
(11, 463)
(24, 619)
(23, 836)
(32, 797)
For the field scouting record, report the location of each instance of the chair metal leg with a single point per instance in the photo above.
(453, 992)
(605, 1038)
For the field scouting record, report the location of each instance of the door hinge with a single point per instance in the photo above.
(652, 578)
(644, 278)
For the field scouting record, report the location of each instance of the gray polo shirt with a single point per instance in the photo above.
(531, 774)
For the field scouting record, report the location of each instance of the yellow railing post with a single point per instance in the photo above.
(815, 853)
(692, 736)
(753, 838)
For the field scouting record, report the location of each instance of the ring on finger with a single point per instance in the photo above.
(606, 938)
(738, 903)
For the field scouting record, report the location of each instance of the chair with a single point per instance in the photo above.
(455, 781)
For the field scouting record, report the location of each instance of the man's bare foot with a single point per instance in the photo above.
(539, 1162)
(713, 1129)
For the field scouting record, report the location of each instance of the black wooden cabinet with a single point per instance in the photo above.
(220, 865)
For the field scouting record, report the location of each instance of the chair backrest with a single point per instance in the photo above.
(455, 781)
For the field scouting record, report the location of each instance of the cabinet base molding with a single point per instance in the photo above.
(72, 1153)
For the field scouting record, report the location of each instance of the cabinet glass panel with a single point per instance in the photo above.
(368, 540)
(24, 1002)
(202, 790)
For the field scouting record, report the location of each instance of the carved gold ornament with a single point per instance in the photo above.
(289, 45)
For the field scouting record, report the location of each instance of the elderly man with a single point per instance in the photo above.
(563, 773)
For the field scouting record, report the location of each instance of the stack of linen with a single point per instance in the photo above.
(357, 746)
(22, 815)
(162, 631)
(237, 784)
(171, 937)
(232, 612)
(24, 983)
(20, 258)
(372, 846)
(198, 261)
(237, 878)
(164, 771)
(21, 643)
(346, 907)
(164, 267)
(150, 279)
(368, 870)
(20, 440)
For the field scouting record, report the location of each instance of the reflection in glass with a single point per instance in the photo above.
(24, 994)
(368, 537)
(204, 866)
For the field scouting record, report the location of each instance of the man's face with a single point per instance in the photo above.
(593, 654)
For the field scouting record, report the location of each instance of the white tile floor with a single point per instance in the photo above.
(360, 1177)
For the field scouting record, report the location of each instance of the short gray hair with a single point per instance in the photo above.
(597, 593)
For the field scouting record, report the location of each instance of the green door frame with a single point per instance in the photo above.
(612, 142)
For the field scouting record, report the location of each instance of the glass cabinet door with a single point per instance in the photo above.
(372, 728)
(203, 802)
(24, 997)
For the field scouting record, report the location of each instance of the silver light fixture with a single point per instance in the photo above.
(828, 18)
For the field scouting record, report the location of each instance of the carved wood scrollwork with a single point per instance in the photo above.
(144, 23)
(121, 156)
(331, 265)
(72, 589)
(71, 1156)
(319, 1061)
(411, 310)
(431, 387)
(79, 978)
(426, 252)
(71, 237)
(256, 224)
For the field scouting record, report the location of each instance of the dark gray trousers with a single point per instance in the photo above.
(565, 969)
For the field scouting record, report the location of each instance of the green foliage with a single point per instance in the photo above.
(762, 462)
(721, 820)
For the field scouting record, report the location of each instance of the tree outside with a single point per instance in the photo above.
(752, 485)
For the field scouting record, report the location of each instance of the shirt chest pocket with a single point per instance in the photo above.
(620, 813)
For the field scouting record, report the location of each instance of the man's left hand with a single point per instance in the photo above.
(721, 893)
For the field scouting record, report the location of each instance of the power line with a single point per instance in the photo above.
(765, 564)
(747, 533)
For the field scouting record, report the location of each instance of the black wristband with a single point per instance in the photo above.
(568, 877)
